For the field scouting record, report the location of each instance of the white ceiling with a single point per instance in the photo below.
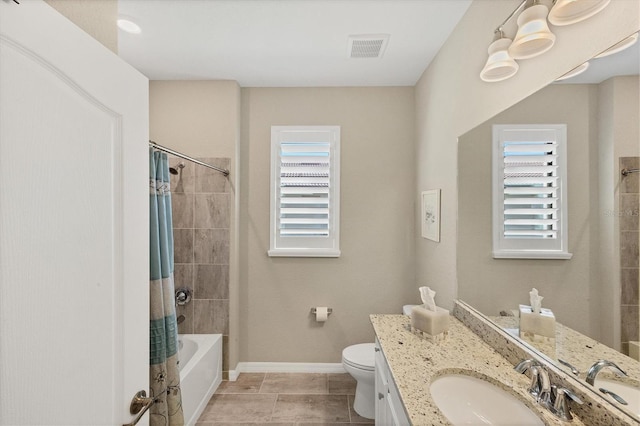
(285, 43)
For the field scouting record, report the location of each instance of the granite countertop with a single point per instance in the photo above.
(414, 362)
(579, 350)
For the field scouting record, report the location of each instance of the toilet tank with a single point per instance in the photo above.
(406, 309)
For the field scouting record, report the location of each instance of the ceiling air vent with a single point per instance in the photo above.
(367, 46)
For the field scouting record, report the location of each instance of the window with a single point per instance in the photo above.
(529, 191)
(305, 191)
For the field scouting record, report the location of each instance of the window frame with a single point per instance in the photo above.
(529, 248)
(309, 246)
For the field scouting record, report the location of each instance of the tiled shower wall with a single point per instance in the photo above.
(629, 252)
(201, 200)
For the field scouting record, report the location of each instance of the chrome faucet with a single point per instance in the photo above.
(599, 365)
(561, 403)
(183, 296)
(540, 387)
(544, 385)
(524, 365)
(553, 398)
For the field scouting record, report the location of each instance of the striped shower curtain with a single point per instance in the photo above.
(164, 377)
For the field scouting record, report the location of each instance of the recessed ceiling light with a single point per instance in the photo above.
(129, 26)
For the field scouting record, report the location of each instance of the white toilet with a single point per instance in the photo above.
(406, 309)
(358, 360)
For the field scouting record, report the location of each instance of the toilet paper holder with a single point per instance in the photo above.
(329, 310)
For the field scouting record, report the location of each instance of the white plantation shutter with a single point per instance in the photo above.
(305, 191)
(528, 179)
(530, 189)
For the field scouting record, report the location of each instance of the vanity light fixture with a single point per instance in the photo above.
(534, 36)
(574, 72)
(567, 12)
(532, 39)
(620, 46)
(500, 64)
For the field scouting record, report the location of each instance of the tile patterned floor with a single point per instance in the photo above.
(285, 399)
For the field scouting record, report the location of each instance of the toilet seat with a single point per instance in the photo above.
(361, 356)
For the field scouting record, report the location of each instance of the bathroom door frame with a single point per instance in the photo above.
(74, 225)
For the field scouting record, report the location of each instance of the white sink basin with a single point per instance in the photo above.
(627, 392)
(466, 400)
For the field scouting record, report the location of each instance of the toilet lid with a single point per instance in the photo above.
(360, 356)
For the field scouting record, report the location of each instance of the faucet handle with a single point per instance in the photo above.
(570, 394)
(561, 403)
(183, 296)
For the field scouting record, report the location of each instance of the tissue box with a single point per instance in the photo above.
(542, 324)
(430, 322)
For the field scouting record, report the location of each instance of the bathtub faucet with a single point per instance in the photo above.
(180, 319)
(183, 296)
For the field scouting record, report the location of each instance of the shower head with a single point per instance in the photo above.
(175, 171)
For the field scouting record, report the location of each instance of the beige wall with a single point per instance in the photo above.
(627, 144)
(609, 236)
(201, 116)
(568, 286)
(375, 271)
(451, 99)
(619, 133)
(626, 94)
(270, 298)
(96, 17)
(202, 119)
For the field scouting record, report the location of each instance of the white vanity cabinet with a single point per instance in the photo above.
(389, 408)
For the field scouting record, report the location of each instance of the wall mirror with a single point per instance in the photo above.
(594, 295)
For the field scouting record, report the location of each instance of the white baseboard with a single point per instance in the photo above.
(233, 375)
(285, 367)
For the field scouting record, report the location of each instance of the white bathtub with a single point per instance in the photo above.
(200, 372)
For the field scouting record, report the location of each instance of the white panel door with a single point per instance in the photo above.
(73, 224)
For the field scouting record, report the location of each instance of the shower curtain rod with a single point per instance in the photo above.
(186, 157)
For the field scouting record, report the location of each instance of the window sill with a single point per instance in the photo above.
(522, 254)
(303, 253)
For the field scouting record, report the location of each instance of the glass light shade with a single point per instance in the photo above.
(567, 12)
(620, 46)
(127, 25)
(574, 72)
(500, 64)
(533, 37)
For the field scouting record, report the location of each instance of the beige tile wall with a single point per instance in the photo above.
(201, 219)
(629, 252)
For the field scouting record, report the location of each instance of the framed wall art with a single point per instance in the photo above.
(431, 215)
